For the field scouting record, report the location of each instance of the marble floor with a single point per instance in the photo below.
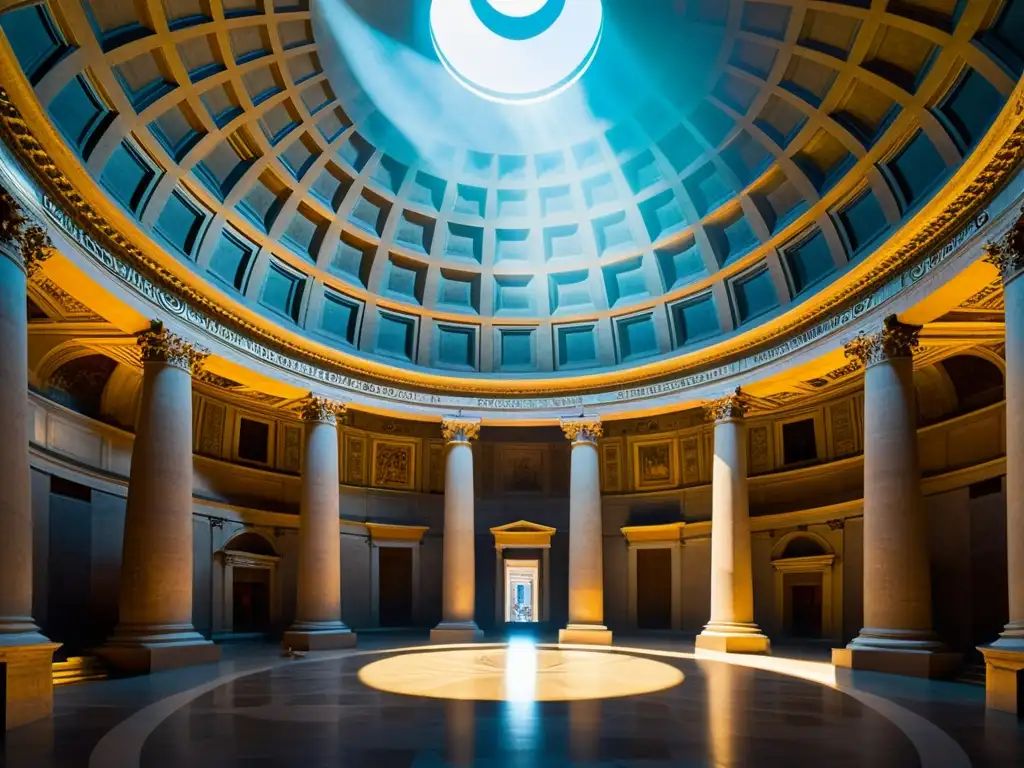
(396, 703)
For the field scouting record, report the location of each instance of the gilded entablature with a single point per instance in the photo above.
(1007, 253)
(158, 345)
(17, 229)
(321, 410)
(733, 406)
(457, 429)
(583, 430)
(894, 340)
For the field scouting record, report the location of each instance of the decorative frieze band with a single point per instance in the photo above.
(1007, 253)
(29, 238)
(733, 406)
(458, 429)
(321, 410)
(583, 430)
(893, 341)
(158, 345)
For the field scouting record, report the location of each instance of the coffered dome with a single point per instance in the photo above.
(615, 183)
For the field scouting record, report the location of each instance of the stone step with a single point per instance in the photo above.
(971, 674)
(78, 669)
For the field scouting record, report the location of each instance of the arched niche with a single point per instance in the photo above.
(804, 564)
(246, 588)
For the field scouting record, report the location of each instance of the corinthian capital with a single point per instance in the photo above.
(1007, 253)
(30, 238)
(585, 429)
(893, 341)
(735, 405)
(161, 346)
(458, 429)
(321, 410)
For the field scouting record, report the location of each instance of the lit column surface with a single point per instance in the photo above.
(586, 545)
(25, 654)
(458, 623)
(154, 630)
(897, 636)
(1004, 659)
(731, 628)
(318, 625)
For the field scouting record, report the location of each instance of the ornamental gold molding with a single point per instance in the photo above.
(19, 230)
(735, 405)
(158, 345)
(893, 341)
(317, 409)
(586, 429)
(459, 429)
(1007, 253)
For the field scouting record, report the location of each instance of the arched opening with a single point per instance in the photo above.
(250, 565)
(803, 585)
(978, 382)
(79, 383)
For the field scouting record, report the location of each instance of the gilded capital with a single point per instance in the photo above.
(735, 405)
(894, 340)
(18, 230)
(158, 345)
(587, 429)
(1007, 253)
(458, 429)
(321, 410)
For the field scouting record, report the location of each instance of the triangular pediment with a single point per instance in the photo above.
(523, 526)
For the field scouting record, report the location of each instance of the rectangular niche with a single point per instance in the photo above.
(637, 337)
(282, 290)
(459, 290)
(512, 203)
(680, 264)
(599, 190)
(370, 213)
(754, 294)
(731, 237)
(563, 242)
(356, 151)
(340, 316)
(471, 201)
(331, 186)
(305, 232)
(181, 222)
(642, 172)
(625, 282)
(662, 215)
(612, 234)
(406, 278)
(353, 259)
(390, 174)
(130, 176)
(427, 190)
(576, 345)
(231, 259)
(514, 294)
(456, 346)
(80, 113)
(512, 245)
(516, 349)
(264, 200)
(570, 291)
(862, 221)
(694, 319)
(808, 262)
(555, 200)
(915, 170)
(396, 335)
(464, 242)
(415, 232)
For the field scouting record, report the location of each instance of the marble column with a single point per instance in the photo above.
(731, 628)
(1004, 658)
(458, 622)
(154, 630)
(318, 625)
(897, 636)
(586, 537)
(25, 654)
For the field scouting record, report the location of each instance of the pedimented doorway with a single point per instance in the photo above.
(522, 573)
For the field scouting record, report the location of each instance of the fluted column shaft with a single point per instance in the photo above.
(731, 627)
(458, 618)
(586, 537)
(318, 624)
(154, 629)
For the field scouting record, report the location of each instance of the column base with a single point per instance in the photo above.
(312, 636)
(1004, 673)
(585, 634)
(897, 652)
(143, 650)
(452, 632)
(28, 689)
(723, 637)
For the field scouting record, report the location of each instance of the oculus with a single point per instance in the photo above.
(516, 51)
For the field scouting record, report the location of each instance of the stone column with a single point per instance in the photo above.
(458, 623)
(1004, 658)
(318, 625)
(731, 628)
(586, 537)
(897, 636)
(154, 630)
(25, 654)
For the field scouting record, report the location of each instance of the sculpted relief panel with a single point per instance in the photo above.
(611, 466)
(211, 430)
(654, 465)
(759, 449)
(394, 464)
(355, 459)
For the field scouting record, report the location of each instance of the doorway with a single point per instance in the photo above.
(395, 593)
(250, 600)
(654, 588)
(805, 610)
(522, 590)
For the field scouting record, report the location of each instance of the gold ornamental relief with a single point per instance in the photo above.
(460, 430)
(733, 406)
(1007, 253)
(158, 345)
(585, 430)
(893, 341)
(321, 410)
(17, 229)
